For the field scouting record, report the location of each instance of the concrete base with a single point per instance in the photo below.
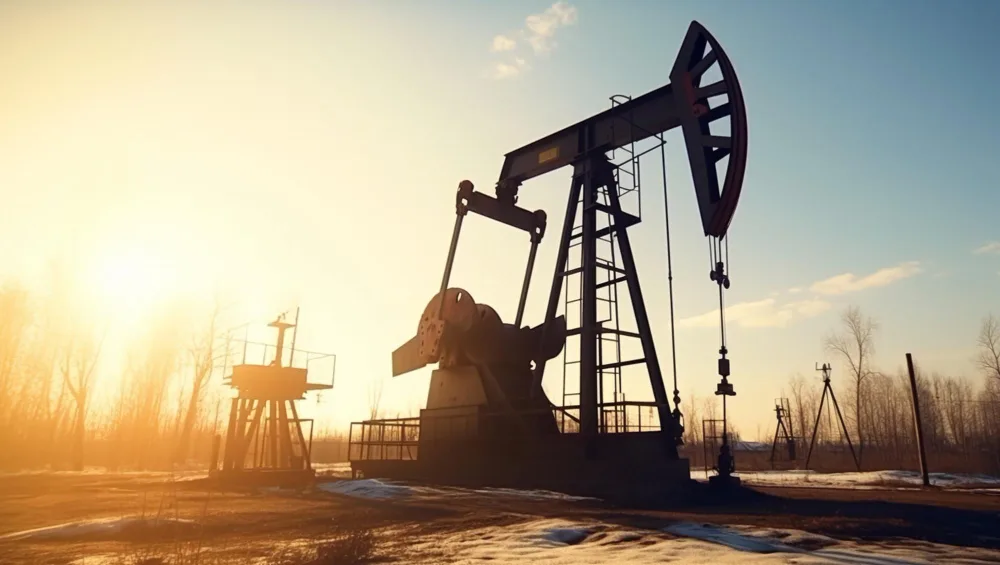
(724, 481)
(630, 468)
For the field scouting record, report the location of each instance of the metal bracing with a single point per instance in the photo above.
(783, 431)
(265, 432)
(592, 179)
(826, 369)
(627, 182)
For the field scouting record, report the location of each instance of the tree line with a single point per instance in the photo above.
(156, 410)
(960, 414)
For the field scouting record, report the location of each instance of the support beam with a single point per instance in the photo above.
(685, 103)
(645, 332)
(651, 113)
(576, 186)
(588, 322)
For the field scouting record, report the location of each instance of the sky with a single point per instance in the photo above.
(308, 153)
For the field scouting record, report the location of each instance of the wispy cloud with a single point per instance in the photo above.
(772, 312)
(508, 70)
(538, 33)
(849, 282)
(503, 43)
(991, 247)
(541, 28)
(767, 313)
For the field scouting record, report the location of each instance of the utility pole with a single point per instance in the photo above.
(917, 422)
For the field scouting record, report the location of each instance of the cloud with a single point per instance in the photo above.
(539, 33)
(503, 43)
(770, 313)
(541, 28)
(992, 247)
(765, 313)
(849, 282)
(508, 70)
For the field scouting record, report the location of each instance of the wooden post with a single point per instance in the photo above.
(917, 421)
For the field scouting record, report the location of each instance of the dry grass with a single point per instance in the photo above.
(354, 547)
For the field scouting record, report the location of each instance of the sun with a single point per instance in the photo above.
(131, 281)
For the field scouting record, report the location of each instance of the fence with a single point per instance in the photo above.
(399, 438)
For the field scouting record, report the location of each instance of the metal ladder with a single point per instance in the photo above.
(609, 361)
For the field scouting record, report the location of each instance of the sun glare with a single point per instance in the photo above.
(132, 282)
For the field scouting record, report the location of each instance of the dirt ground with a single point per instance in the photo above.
(257, 526)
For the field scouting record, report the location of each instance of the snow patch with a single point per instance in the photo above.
(751, 446)
(564, 542)
(340, 470)
(376, 488)
(367, 488)
(856, 480)
(89, 528)
(566, 536)
(724, 536)
(796, 546)
(539, 494)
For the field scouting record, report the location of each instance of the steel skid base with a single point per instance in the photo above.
(628, 468)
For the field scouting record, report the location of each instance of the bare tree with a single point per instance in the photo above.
(802, 406)
(15, 319)
(692, 423)
(77, 361)
(203, 353)
(151, 365)
(958, 396)
(855, 344)
(989, 347)
(374, 398)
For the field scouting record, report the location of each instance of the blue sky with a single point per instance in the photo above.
(335, 134)
(872, 127)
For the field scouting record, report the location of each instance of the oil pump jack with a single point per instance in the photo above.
(488, 420)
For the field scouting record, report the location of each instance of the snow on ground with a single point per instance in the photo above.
(540, 494)
(752, 446)
(367, 488)
(779, 478)
(341, 470)
(88, 528)
(561, 542)
(382, 489)
(868, 478)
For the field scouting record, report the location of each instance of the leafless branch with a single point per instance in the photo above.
(989, 347)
